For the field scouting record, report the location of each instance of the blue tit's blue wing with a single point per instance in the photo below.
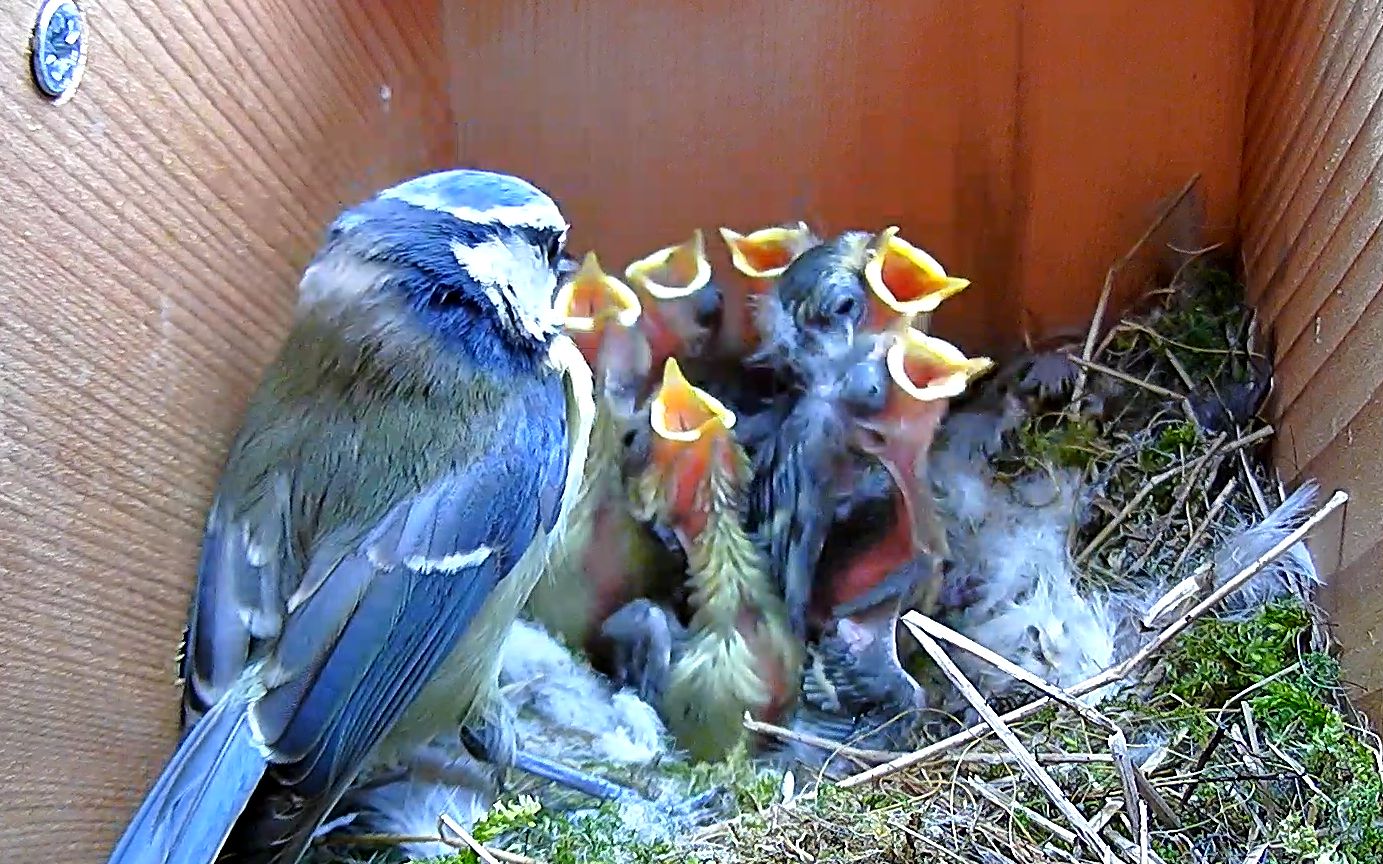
(344, 634)
(367, 629)
(247, 555)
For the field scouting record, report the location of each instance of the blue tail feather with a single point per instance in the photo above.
(187, 815)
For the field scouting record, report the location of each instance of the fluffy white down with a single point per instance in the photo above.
(569, 712)
(1013, 586)
(564, 711)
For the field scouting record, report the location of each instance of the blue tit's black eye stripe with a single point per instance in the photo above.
(551, 243)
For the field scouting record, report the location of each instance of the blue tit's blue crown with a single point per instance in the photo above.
(482, 197)
(472, 253)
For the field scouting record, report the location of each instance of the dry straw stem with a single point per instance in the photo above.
(1088, 350)
(446, 823)
(1115, 673)
(1039, 775)
(1151, 484)
(1006, 802)
(1212, 457)
(1156, 390)
(458, 842)
(1133, 784)
(857, 754)
(1211, 515)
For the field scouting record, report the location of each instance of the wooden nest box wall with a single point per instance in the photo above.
(154, 225)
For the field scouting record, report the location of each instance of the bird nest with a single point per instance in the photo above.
(1211, 723)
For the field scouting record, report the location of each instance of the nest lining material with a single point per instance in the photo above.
(1161, 687)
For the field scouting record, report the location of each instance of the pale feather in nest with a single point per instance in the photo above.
(561, 708)
(568, 711)
(1013, 585)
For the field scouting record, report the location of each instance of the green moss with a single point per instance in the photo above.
(1055, 440)
(598, 836)
(1219, 658)
(1196, 326)
(594, 837)
(752, 786)
(1292, 710)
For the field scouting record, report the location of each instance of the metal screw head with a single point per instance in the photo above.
(59, 54)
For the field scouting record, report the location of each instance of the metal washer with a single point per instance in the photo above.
(59, 49)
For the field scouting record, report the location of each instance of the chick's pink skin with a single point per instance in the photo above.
(619, 359)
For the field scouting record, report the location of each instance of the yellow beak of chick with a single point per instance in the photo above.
(673, 272)
(684, 413)
(592, 297)
(904, 279)
(927, 368)
(767, 252)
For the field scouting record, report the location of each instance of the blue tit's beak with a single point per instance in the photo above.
(690, 428)
(671, 281)
(767, 252)
(905, 282)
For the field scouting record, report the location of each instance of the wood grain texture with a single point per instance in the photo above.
(153, 231)
(1025, 144)
(1312, 225)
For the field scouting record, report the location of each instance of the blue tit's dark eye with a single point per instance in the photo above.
(845, 307)
(445, 298)
(553, 250)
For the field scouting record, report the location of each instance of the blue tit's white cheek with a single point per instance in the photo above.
(516, 278)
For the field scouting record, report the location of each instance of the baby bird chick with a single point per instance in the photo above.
(760, 257)
(739, 654)
(592, 303)
(606, 558)
(906, 284)
(924, 374)
(862, 587)
(681, 305)
(806, 469)
(854, 687)
(855, 283)
(767, 252)
(644, 638)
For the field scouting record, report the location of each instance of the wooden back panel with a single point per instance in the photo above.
(153, 230)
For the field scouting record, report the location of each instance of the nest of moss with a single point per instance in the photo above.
(1229, 737)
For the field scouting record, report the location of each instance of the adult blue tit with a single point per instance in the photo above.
(382, 515)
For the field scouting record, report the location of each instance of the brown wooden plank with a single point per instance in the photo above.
(1025, 144)
(154, 229)
(1324, 173)
(1314, 256)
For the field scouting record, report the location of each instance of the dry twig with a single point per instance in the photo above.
(1112, 274)
(446, 823)
(1036, 772)
(1121, 670)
